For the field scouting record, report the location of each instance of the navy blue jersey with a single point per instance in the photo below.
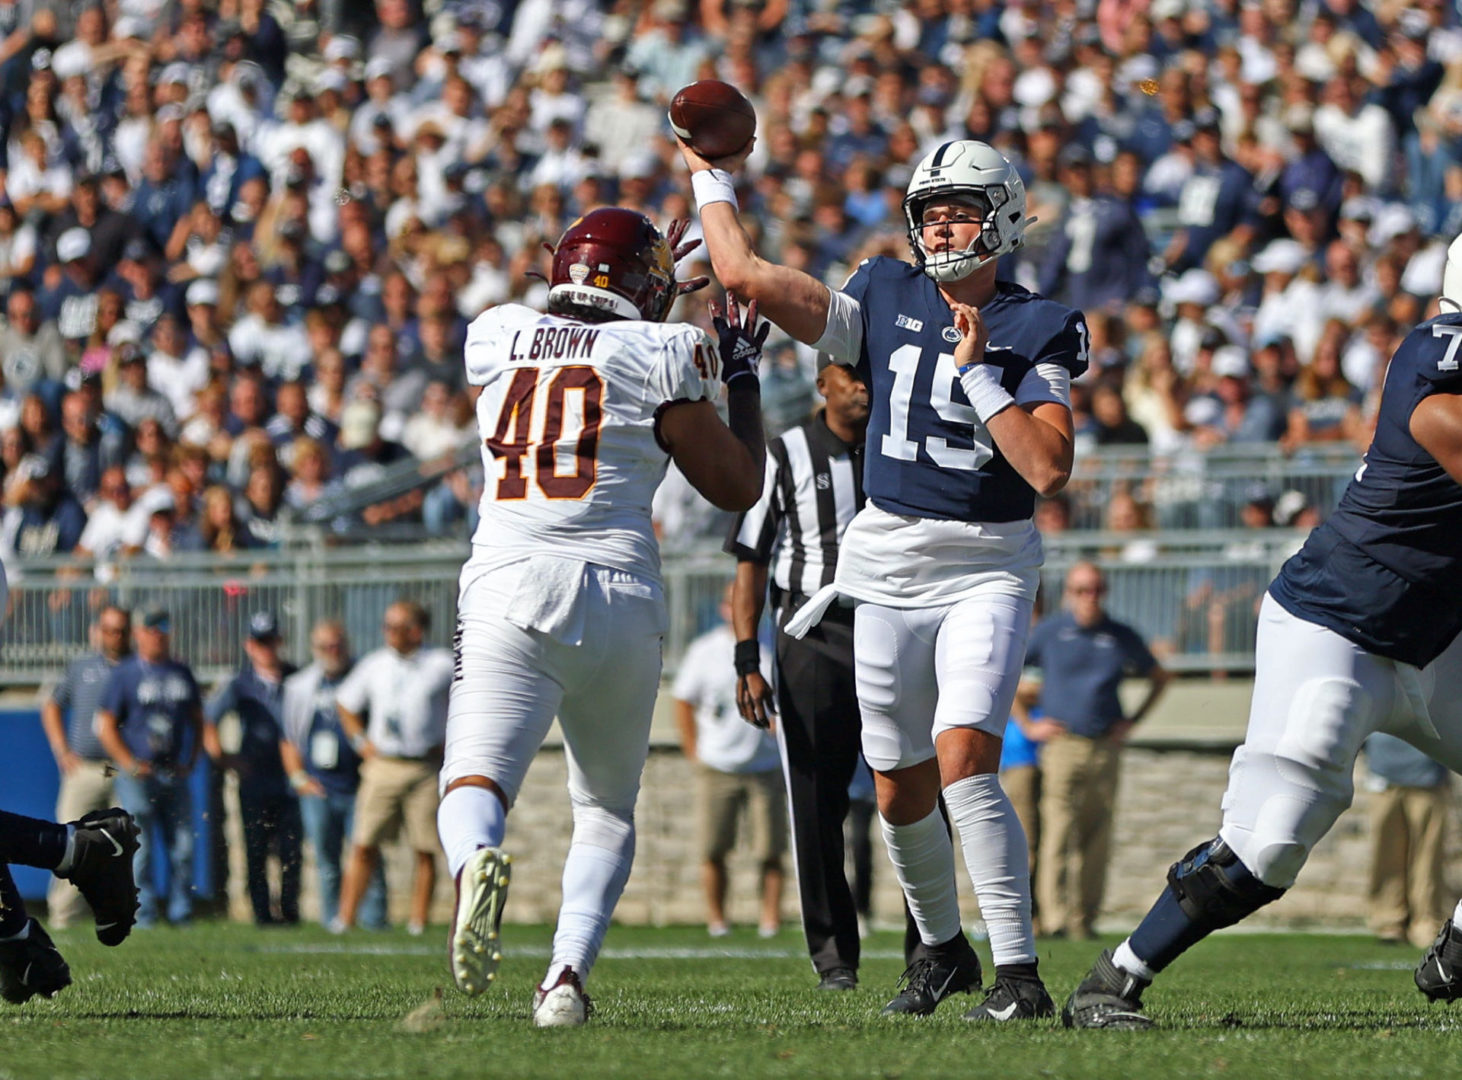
(1385, 571)
(928, 455)
(154, 705)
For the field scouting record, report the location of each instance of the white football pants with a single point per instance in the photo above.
(922, 671)
(513, 681)
(1316, 698)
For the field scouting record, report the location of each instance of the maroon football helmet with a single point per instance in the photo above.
(612, 264)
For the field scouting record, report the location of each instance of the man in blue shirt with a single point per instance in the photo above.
(150, 722)
(68, 715)
(324, 769)
(269, 808)
(1084, 654)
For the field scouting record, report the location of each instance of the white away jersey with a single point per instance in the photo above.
(568, 421)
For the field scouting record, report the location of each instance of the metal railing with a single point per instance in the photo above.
(1193, 594)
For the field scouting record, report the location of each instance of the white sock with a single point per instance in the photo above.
(999, 864)
(469, 818)
(64, 866)
(594, 875)
(1127, 960)
(923, 861)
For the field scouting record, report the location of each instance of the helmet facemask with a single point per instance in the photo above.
(954, 265)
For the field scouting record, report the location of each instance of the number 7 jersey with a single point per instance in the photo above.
(568, 417)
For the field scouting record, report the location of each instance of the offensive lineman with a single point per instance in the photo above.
(561, 606)
(1358, 633)
(970, 386)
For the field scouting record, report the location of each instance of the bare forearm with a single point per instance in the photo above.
(1038, 450)
(748, 598)
(55, 730)
(795, 301)
(111, 740)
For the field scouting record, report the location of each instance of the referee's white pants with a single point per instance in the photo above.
(1317, 696)
(513, 681)
(922, 671)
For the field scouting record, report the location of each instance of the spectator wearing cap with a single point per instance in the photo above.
(1099, 255)
(106, 229)
(383, 116)
(1359, 137)
(264, 336)
(268, 806)
(41, 517)
(32, 352)
(72, 300)
(1217, 200)
(145, 292)
(151, 724)
(1310, 168)
(132, 398)
(1230, 412)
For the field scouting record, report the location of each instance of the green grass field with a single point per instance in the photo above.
(232, 1001)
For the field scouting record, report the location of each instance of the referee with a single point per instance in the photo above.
(814, 486)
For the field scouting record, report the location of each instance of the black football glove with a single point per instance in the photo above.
(739, 340)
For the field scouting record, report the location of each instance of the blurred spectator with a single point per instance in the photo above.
(31, 349)
(41, 517)
(1409, 805)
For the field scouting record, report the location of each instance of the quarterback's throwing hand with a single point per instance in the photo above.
(739, 340)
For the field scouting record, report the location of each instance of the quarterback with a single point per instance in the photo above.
(969, 381)
(561, 610)
(1357, 634)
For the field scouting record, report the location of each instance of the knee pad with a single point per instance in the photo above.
(603, 827)
(1215, 889)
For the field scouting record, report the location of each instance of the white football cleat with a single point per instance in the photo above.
(564, 1004)
(474, 947)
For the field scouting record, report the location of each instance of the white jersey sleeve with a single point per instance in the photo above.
(490, 339)
(688, 367)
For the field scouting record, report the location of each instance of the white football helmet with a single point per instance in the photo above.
(1452, 276)
(976, 171)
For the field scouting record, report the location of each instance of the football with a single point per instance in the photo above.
(713, 118)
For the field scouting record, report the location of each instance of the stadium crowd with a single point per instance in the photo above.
(241, 240)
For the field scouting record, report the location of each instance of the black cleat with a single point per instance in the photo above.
(951, 968)
(838, 978)
(101, 867)
(31, 966)
(1014, 999)
(1107, 998)
(1439, 975)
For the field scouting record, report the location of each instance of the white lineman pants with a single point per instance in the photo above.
(922, 671)
(512, 682)
(1317, 696)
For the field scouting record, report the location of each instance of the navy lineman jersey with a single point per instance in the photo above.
(928, 455)
(1385, 571)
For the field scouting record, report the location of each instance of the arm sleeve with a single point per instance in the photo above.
(842, 338)
(221, 703)
(350, 695)
(1070, 347)
(754, 533)
(114, 698)
(1139, 657)
(294, 720)
(688, 367)
(1045, 382)
(479, 354)
(61, 692)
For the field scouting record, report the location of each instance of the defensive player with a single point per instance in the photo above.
(1358, 633)
(970, 385)
(561, 607)
(94, 854)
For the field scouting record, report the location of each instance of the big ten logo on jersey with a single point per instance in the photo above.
(548, 425)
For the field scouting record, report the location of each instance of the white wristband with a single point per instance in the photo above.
(982, 386)
(713, 186)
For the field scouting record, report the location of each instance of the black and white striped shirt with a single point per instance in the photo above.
(814, 486)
